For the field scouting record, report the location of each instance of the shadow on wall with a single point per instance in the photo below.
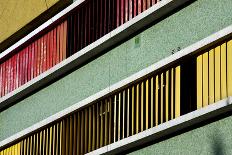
(217, 144)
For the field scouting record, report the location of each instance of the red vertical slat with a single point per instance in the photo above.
(144, 5)
(54, 46)
(14, 72)
(122, 6)
(48, 51)
(148, 4)
(135, 8)
(44, 44)
(41, 55)
(32, 59)
(139, 6)
(23, 67)
(17, 71)
(118, 13)
(3, 78)
(29, 63)
(8, 76)
(51, 48)
(89, 18)
(85, 25)
(38, 57)
(57, 45)
(26, 65)
(101, 16)
(65, 40)
(130, 9)
(153, 2)
(126, 10)
(61, 40)
(105, 17)
(20, 69)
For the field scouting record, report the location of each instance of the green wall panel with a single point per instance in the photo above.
(212, 139)
(191, 24)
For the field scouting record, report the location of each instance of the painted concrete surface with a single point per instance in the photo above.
(212, 139)
(16, 14)
(182, 29)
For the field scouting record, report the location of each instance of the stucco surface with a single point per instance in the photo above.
(14, 14)
(212, 139)
(187, 26)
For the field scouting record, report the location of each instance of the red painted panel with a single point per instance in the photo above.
(130, 9)
(51, 49)
(58, 44)
(139, 6)
(61, 40)
(44, 53)
(122, 6)
(54, 47)
(153, 2)
(148, 3)
(38, 56)
(144, 5)
(65, 40)
(135, 8)
(126, 10)
(29, 63)
(1, 80)
(14, 72)
(48, 51)
(17, 70)
(32, 59)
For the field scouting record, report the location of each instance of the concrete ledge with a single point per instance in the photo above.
(139, 22)
(166, 128)
(199, 46)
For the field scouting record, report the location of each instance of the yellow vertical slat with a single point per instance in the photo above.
(172, 93)
(137, 108)
(223, 71)
(205, 79)
(102, 125)
(128, 112)
(161, 97)
(75, 133)
(167, 95)
(71, 136)
(106, 122)
(142, 105)
(132, 110)
(123, 112)
(47, 141)
(211, 76)
(25, 146)
(94, 129)
(119, 115)
(54, 145)
(156, 99)
(90, 128)
(31, 143)
(110, 120)
(66, 137)
(199, 82)
(177, 92)
(115, 119)
(152, 101)
(78, 132)
(147, 103)
(229, 68)
(86, 130)
(50, 140)
(217, 74)
(98, 126)
(82, 133)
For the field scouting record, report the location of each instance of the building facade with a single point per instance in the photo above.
(116, 76)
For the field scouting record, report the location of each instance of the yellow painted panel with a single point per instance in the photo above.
(142, 105)
(115, 119)
(110, 120)
(79, 133)
(132, 110)
(90, 129)
(106, 122)
(123, 112)
(128, 112)
(199, 81)
(177, 92)
(119, 115)
(137, 108)
(205, 79)
(229, 67)
(172, 93)
(161, 98)
(167, 95)
(217, 74)
(156, 99)
(82, 133)
(94, 128)
(86, 131)
(223, 71)
(152, 101)
(147, 103)
(211, 76)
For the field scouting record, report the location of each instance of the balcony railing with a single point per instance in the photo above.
(82, 26)
(187, 85)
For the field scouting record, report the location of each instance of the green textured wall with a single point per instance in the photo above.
(182, 29)
(212, 139)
